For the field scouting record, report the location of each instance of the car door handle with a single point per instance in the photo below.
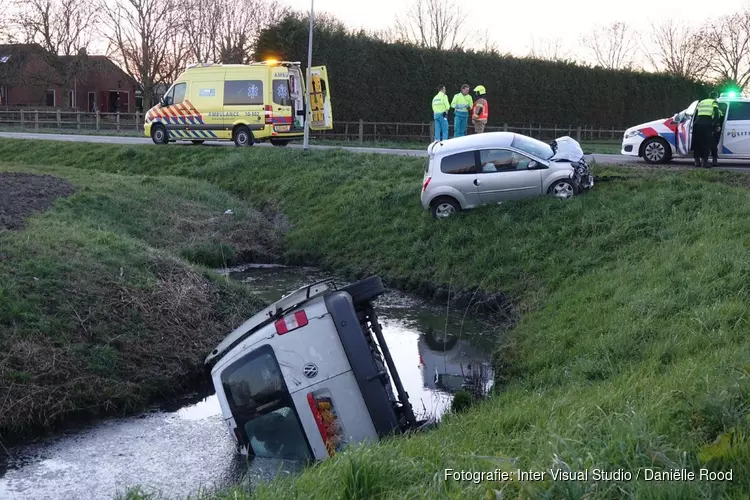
(477, 182)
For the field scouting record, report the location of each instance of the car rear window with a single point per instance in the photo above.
(459, 163)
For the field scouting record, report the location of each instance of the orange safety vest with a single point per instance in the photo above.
(485, 109)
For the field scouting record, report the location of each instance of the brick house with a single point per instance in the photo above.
(32, 77)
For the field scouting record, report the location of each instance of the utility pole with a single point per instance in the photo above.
(306, 141)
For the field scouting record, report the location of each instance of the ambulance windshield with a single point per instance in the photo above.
(262, 407)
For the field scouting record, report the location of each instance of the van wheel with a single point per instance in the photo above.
(159, 134)
(279, 142)
(365, 290)
(243, 137)
(197, 143)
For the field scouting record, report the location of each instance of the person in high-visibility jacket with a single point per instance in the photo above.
(481, 110)
(461, 104)
(717, 125)
(440, 108)
(706, 115)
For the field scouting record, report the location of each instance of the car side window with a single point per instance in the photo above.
(739, 111)
(459, 163)
(502, 160)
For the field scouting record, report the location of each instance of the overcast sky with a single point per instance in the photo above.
(513, 23)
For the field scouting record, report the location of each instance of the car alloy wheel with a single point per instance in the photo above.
(444, 210)
(655, 151)
(563, 190)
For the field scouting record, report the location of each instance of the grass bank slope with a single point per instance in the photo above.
(98, 311)
(632, 349)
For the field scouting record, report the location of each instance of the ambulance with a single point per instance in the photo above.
(310, 375)
(242, 103)
(662, 140)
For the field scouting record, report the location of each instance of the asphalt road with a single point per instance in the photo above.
(607, 159)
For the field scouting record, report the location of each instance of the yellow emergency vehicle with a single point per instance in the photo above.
(244, 103)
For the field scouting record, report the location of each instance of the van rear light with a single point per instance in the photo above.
(327, 421)
(426, 183)
(291, 322)
(269, 114)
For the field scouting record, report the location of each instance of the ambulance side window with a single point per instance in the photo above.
(281, 93)
(179, 93)
(243, 92)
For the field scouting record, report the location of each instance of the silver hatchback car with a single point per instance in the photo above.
(494, 167)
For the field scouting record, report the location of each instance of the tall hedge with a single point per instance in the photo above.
(377, 81)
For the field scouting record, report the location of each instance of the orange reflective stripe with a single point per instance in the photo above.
(485, 109)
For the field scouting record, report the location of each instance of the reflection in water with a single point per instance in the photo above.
(180, 452)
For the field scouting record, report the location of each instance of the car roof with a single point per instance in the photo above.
(483, 140)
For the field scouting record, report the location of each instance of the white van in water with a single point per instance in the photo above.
(310, 374)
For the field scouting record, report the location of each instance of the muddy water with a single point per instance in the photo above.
(181, 450)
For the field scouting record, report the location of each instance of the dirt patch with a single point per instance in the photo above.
(25, 194)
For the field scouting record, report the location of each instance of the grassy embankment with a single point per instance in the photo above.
(604, 146)
(632, 349)
(100, 311)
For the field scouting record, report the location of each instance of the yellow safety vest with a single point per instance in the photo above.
(440, 103)
(706, 107)
(462, 103)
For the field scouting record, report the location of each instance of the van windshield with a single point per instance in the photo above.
(262, 407)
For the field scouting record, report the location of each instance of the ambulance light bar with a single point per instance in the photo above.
(291, 322)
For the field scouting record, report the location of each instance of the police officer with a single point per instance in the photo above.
(703, 129)
(440, 107)
(461, 104)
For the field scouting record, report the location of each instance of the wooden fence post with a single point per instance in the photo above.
(78, 120)
(346, 131)
(578, 134)
(361, 131)
(505, 127)
(97, 120)
(137, 120)
(22, 120)
(59, 124)
(118, 121)
(36, 120)
(432, 130)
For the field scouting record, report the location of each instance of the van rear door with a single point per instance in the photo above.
(281, 100)
(321, 113)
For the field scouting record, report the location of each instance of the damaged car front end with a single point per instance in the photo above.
(568, 150)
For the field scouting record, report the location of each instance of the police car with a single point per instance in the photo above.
(662, 140)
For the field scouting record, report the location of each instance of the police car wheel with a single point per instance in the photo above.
(243, 137)
(656, 150)
(159, 134)
(365, 290)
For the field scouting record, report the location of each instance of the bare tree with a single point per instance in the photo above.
(202, 21)
(548, 49)
(432, 23)
(613, 46)
(728, 40)
(677, 49)
(242, 22)
(143, 39)
(64, 29)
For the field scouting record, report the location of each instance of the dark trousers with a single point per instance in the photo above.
(715, 146)
(703, 139)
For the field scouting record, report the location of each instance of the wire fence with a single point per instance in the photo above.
(360, 131)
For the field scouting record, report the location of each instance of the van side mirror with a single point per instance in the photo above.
(162, 101)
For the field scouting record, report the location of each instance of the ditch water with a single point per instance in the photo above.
(181, 449)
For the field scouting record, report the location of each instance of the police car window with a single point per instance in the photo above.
(179, 93)
(460, 163)
(243, 92)
(739, 111)
(281, 93)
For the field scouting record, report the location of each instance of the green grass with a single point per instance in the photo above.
(98, 314)
(632, 347)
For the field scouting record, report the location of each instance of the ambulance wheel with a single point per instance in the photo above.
(159, 134)
(656, 150)
(243, 137)
(365, 290)
(279, 142)
(197, 143)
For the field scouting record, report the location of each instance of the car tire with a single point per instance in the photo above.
(243, 137)
(197, 143)
(564, 189)
(279, 143)
(159, 134)
(656, 150)
(445, 207)
(365, 290)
